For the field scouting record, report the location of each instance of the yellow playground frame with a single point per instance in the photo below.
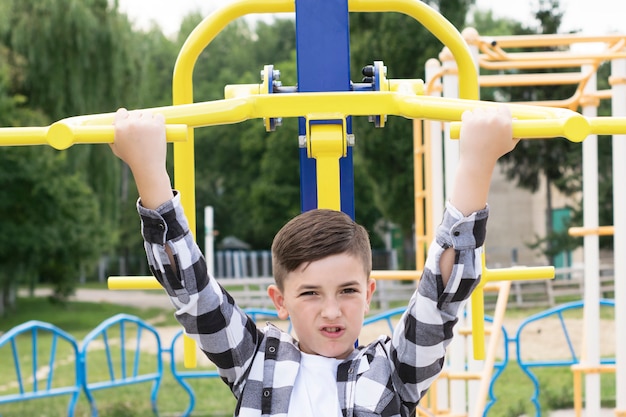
(327, 143)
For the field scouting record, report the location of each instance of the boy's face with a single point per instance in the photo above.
(327, 301)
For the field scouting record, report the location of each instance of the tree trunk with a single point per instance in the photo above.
(2, 308)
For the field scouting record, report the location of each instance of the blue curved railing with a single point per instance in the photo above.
(527, 365)
(498, 367)
(119, 372)
(130, 332)
(28, 390)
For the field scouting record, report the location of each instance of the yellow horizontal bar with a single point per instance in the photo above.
(556, 59)
(21, 136)
(340, 103)
(504, 63)
(533, 121)
(464, 376)
(593, 369)
(520, 41)
(591, 231)
(516, 80)
(61, 135)
(518, 273)
(575, 128)
(133, 283)
(403, 275)
(608, 125)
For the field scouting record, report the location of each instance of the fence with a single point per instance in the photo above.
(567, 286)
(258, 263)
(119, 344)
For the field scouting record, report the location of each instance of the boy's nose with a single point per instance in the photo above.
(331, 309)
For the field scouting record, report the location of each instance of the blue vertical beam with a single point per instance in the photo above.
(323, 64)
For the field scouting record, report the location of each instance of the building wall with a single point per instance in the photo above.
(516, 218)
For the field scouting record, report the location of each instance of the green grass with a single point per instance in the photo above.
(77, 318)
(513, 391)
(213, 398)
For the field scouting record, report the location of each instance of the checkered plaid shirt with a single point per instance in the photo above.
(385, 378)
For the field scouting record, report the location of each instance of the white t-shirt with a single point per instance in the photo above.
(315, 390)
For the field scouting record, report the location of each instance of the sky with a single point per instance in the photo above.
(592, 17)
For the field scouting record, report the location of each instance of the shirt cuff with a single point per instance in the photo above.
(167, 222)
(462, 232)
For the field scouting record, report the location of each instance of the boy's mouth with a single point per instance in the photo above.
(331, 329)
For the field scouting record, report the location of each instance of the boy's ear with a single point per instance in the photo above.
(371, 287)
(279, 301)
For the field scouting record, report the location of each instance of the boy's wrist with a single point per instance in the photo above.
(154, 190)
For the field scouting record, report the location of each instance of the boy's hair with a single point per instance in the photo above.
(314, 235)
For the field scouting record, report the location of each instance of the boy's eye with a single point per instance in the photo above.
(305, 293)
(349, 290)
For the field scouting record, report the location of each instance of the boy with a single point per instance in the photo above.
(322, 263)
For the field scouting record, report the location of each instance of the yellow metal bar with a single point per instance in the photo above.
(441, 28)
(591, 231)
(397, 275)
(327, 145)
(477, 298)
(478, 322)
(608, 125)
(312, 105)
(532, 79)
(182, 86)
(150, 283)
(574, 128)
(521, 41)
(421, 172)
(61, 135)
(22, 136)
(133, 283)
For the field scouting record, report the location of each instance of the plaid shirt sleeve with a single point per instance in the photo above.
(420, 340)
(206, 311)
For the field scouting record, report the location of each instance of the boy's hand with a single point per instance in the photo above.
(486, 135)
(140, 139)
(140, 142)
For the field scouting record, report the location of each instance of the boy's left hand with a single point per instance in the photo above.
(486, 135)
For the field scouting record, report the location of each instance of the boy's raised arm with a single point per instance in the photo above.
(486, 135)
(140, 142)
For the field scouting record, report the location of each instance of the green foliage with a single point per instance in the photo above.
(47, 220)
(558, 161)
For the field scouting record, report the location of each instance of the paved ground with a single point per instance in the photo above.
(133, 298)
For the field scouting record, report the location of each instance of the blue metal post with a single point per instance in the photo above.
(323, 64)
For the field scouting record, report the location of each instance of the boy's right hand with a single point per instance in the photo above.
(140, 142)
(140, 139)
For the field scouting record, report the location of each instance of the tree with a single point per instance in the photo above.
(75, 57)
